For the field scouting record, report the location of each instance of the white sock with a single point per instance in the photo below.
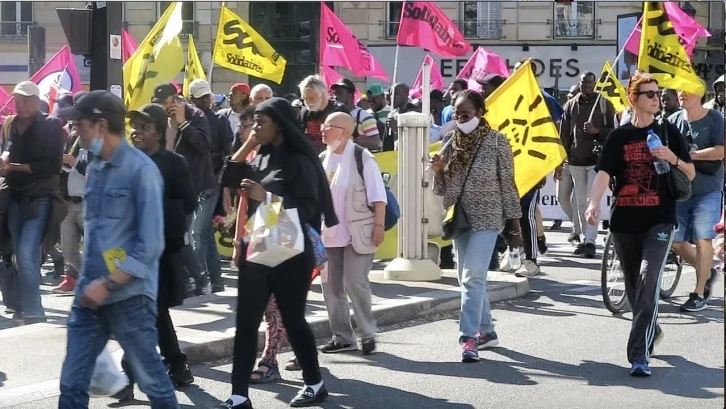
(315, 387)
(237, 400)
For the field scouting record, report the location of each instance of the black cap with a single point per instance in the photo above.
(78, 95)
(95, 104)
(494, 80)
(344, 83)
(153, 113)
(164, 91)
(64, 101)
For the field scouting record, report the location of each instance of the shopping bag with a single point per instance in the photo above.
(276, 235)
(107, 378)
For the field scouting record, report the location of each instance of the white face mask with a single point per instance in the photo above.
(332, 146)
(468, 127)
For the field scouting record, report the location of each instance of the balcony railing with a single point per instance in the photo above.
(717, 39)
(573, 29)
(14, 29)
(491, 29)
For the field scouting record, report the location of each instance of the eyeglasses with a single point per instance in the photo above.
(327, 127)
(464, 116)
(649, 94)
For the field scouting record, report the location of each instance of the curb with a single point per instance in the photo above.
(419, 306)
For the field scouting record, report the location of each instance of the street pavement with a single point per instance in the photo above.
(560, 348)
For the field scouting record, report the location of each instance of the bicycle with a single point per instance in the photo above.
(613, 281)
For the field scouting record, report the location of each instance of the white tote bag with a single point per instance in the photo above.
(107, 378)
(275, 235)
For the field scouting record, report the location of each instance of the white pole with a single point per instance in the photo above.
(395, 71)
(426, 91)
(610, 74)
(209, 71)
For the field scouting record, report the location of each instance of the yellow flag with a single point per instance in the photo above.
(662, 55)
(612, 89)
(159, 58)
(518, 110)
(240, 48)
(194, 69)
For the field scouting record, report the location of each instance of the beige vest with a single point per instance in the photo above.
(360, 216)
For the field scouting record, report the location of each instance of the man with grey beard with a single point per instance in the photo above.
(317, 107)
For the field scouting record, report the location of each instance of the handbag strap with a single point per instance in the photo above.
(473, 158)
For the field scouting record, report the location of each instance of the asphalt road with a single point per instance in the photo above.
(560, 348)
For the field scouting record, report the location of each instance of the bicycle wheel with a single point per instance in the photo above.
(612, 279)
(671, 275)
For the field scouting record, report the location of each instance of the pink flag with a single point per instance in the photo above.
(128, 45)
(425, 25)
(482, 63)
(339, 47)
(5, 106)
(689, 30)
(330, 77)
(437, 81)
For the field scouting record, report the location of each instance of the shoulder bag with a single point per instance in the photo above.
(678, 183)
(456, 221)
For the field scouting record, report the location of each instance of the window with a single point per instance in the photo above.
(15, 17)
(716, 17)
(189, 26)
(574, 20)
(393, 18)
(481, 19)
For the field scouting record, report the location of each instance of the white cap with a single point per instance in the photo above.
(27, 89)
(199, 88)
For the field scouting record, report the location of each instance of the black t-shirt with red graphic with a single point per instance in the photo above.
(312, 120)
(642, 199)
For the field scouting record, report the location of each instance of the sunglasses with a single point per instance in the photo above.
(649, 94)
(327, 127)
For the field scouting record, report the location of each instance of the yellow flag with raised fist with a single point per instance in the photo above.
(662, 55)
(612, 89)
(519, 111)
(240, 48)
(159, 58)
(194, 69)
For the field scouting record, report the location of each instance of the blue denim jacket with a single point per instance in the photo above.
(124, 209)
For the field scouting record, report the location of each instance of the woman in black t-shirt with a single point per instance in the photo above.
(644, 212)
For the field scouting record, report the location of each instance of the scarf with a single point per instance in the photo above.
(464, 148)
(339, 177)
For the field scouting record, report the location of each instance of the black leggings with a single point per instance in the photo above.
(528, 224)
(289, 282)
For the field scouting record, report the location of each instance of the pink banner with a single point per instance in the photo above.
(330, 77)
(437, 81)
(57, 76)
(339, 47)
(128, 45)
(5, 108)
(689, 30)
(425, 25)
(482, 63)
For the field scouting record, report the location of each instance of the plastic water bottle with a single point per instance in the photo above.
(653, 140)
(515, 261)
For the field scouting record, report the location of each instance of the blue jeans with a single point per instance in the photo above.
(27, 237)
(205, 246)
(133, 323)
(697, 217)
(473, 253)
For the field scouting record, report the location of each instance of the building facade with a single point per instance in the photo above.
(564, 38)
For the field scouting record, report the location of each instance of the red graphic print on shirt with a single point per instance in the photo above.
(640, 182)
(314, 133)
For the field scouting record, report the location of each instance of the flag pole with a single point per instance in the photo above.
(214, 46)
(395, 71)
(610, 75)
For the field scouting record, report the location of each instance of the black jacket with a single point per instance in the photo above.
(220, 139)
(192, 142)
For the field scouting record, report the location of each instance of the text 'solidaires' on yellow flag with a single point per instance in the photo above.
(240, 48)
(194, 69)
(612, 89)
(663, 56)
(159, 58)
(519, 111)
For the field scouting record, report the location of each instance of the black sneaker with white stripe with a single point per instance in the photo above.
(228, 405)
(307, 397)
(695, 303)
(334, 347)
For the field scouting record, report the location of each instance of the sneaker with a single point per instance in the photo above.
(640, 369)
(574, 238)
(556, 225)
(469, 351)
(368, 346)
(709, 284)
(126, 394)
(589, 250)
(66, 286)
(181, 376)
(542, 245)
(9, 310)
(334, 347)
(579, 249)
(204, 289)
(485, 341)
(228, 404)
(307, 397)
(505, 265)
(694, 303)
(217, 288)
(529, 268)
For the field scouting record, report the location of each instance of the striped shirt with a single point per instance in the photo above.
(366, 123)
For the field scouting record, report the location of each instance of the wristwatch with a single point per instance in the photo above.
(110, 284)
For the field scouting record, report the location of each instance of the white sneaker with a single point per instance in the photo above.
(529, 268)
(505, 265)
